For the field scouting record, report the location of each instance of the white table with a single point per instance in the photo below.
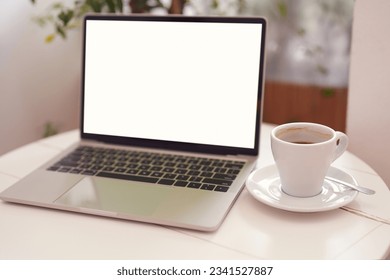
(252, 230)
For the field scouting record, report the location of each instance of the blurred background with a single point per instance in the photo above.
(308, 53)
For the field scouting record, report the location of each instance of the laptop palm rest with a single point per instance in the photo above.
(147, 202)
(117, 196)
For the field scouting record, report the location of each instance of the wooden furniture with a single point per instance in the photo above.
(286, 102)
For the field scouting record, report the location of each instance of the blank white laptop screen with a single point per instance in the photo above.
(175, 81)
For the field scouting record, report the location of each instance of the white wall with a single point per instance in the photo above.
(368, 120)
(39, 82)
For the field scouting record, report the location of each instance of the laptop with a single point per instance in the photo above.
(170, 121)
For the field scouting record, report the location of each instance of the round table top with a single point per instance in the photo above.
(251, 230)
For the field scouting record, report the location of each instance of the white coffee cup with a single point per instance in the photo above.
(303, 153)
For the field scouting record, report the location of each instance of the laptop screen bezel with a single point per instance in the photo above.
(171, 145)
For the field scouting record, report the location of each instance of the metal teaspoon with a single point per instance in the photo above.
(358, 188)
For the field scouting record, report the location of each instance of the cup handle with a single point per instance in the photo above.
(342, 144)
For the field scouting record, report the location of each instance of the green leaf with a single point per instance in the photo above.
(119, 5)
(57, 6)
(66, 16)
(50, 38)
(41, 21)
(49, 130)
(282, 9)
(322, 70)
(96, 5)
(60, 30)
(327, 92)
(215, 4)
(84, 8)
(111, 6)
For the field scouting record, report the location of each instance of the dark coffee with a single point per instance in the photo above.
(303, 142)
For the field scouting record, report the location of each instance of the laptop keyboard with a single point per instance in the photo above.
(164, 169)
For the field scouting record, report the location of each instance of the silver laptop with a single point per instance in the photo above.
(170, 121)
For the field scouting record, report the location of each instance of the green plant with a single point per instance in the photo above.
(49, 130)
(64, 19)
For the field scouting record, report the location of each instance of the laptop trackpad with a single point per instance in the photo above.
(115, 196)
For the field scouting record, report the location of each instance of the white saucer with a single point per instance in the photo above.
(264, 185)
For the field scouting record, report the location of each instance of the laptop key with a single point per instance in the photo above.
(208, 187)
(221, 189)
(206, 174)
(180, 183)
(127, 177)
(157, 174)
(234, 165)
(75, 171)
(182, 177)
(170, 176)
(196, 179)
(68, 163)
(181, 171)
(194, 185)
(145, 173)
(53, 168)
(88, 172)
(221, 182)
(224, 176)
(132, 171)
(120, 170)
(233, 171)
(64, 169)
(166, 182)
